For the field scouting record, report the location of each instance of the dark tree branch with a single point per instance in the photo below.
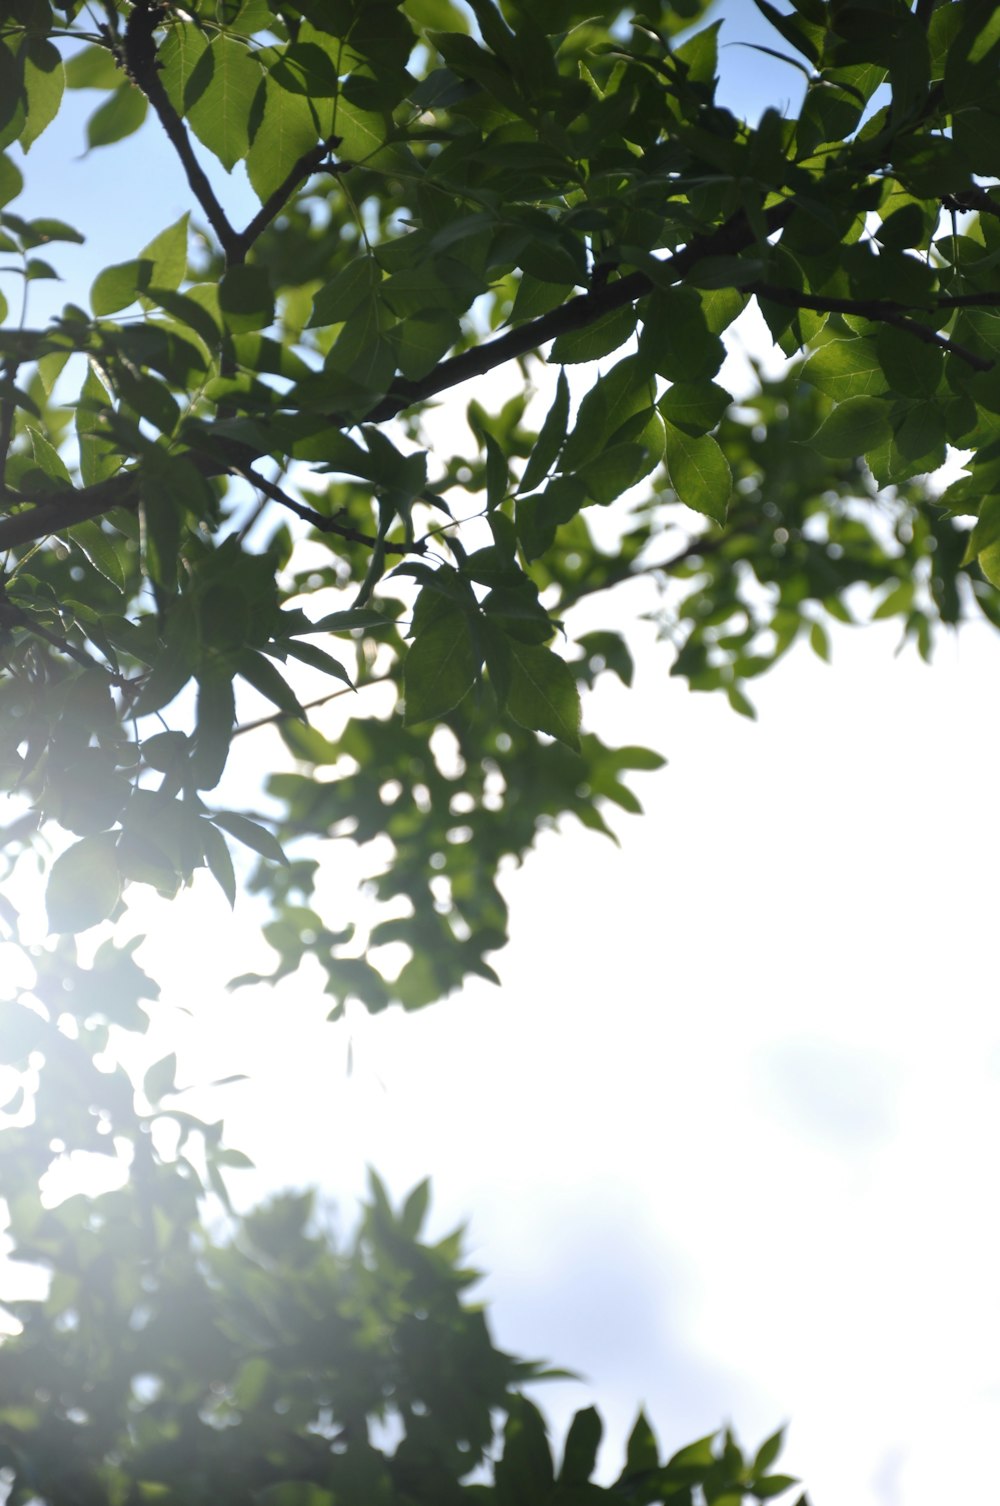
(879, 310)
(736, 235)
(69, 508)
(969, 199)
(732, 237)
(7, 406)
(142, 67)
(310, 162)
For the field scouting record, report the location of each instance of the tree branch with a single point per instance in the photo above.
(732, 237)
(277, 717)
(143, 69)
(70, 508)
(310, 162)
(736, 235)
(882, 311)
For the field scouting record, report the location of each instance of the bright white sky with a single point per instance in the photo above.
(727, 1137)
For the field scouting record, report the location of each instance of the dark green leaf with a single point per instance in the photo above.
(542, 693)
(441, 666)
(251, 835)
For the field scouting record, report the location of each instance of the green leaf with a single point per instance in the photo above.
(846, 368)
(539, 516)
(99, 457)
(699, 472)
(496, 472)
(251, 835)
(215, 715)
(44, 81)
(542, 693)
(84, 884)
(351, 287)
(550, 439)
(171, 485)
(262, 675)
(986, 533)
(676, 341)
(166, 751)
(856, 425)
(245, 298)
(989, 564)
(535, 297)
(287, 130)
(910, 366)
(616, 469)
(119, 116)
(48, 459)
(695, 407)
(117, 286)
(219, 861)
(596, 340)
(160, 1079)
(424, 341)
(11, 181)
(182, 50)
(93, 68)
(97, 547)
(613, 399)
(304, 68)
(167, 256)
(350, 621)
(318, 658)
(362, 134)
(768, 1452)
(221, 89)
(440, 667)
(582, 1442)
(773, 1485)
(642, 1451)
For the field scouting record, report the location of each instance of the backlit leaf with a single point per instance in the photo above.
(440, 666)
(542, 692)
(699, 472)
(84, 884)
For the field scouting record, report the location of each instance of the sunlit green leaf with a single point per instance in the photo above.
(119, 116)
(699, 472)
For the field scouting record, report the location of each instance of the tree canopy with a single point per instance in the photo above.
(236, 485)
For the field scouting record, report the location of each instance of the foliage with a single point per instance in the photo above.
(225, 482)
(225, 474)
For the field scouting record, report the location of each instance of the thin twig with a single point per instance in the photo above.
(289, 716)
(320, 521)
(16, 616)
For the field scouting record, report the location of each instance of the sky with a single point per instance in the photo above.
(726, 1138)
